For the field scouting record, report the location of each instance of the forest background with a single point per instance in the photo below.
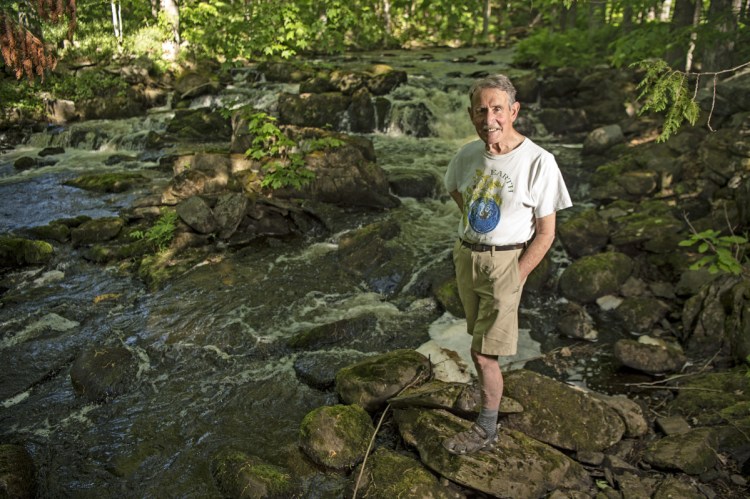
(682, 39)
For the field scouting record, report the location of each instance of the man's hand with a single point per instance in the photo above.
(540, 245)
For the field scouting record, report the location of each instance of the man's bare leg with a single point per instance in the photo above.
(491, 388)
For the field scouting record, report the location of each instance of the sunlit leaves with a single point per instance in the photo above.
(663, 88)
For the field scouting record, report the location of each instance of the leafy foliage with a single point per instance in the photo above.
(549, 49)
(160, 235)
(87, 85)
(720, 253)
(663, 88)
(284, 166)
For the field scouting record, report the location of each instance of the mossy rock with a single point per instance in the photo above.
(54, 231)
(446, 293)
(594, 276)
(372, 381)
(390, 474)
(692, 452)
(108, 182)
(584, 234)
(17, 472)
(561, 415)
(20, 252)
(103, 372)
(336, 436)
(239, 475)
(97, 230)
(519, 466)
(704, 396)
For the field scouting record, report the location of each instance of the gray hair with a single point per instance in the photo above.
(498, 81)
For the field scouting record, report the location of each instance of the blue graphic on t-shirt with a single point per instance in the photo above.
(484, 215)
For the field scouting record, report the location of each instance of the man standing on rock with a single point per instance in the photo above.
(508, 190)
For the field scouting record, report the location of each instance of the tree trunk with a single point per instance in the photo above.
(487, 12)
(172, 13)
(387, 17)
(723, 19)
(682, 19)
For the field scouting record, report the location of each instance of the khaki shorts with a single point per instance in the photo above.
(490, 290)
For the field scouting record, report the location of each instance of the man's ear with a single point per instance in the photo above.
(514, 109)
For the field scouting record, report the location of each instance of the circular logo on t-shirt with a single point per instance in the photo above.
(484, 215)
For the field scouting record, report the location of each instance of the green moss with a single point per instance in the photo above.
(107, 182)
(706, 395)
(17, 252)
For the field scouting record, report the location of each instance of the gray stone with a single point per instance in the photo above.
(374, 380)
(692, 452)
(594, 276)
(96, 231)
(672, 425)
(561, 415)
(602, 138)
(196, 213)
(103, 372)
(518, 466)
(336, 436)
(652, 357)
(240, 475)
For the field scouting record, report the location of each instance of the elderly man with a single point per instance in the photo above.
(508, 190)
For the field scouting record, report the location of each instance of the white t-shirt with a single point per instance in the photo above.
(504, 194)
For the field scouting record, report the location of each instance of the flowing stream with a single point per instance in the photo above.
(212, 374)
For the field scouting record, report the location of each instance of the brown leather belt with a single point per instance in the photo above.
(488, 247)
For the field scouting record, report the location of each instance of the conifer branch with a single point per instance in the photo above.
(665, 88)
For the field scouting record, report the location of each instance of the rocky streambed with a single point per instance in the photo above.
(639, 390)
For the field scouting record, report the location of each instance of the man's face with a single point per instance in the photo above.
(492, 116)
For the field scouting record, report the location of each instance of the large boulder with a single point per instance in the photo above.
(585, 233)
(336, 436)
(17, 472)
(462, 399)
(603, 138)
(240, 475)
(653, 357)
(390, 474)
(103, 372)
(97, 231)
(314, 110)
(561, 415)
(594, 276)
(20, 252)
(199, 125)
(374, 380)
(692, 452)
(518, 466)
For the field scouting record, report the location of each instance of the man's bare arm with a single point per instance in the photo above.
(540, 245)
(458, 199)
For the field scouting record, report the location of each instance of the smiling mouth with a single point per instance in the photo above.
(492, 129)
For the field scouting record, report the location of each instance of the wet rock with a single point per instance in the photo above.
(706, 395)
(412, 119)
(229, 212)
(108, 182)
(704, 315)
(54, 231)
(20, 252)
(575, 322)
(631, 484)
(103, 372)
(674, 486)
(462, 399)
(375, 254)
(60, 111)
(445, 290)
(17, 472)
(652, 228)
(691, 452)
(362, 115)
(584, 234)
(594, 276)
(343, 332)
(561, 415)
(285, 72)
(639, 314)
(196, 212)
(318, 369)
(98, 230)
(603, 138)
(199, 125)
(414, 184)
(630, 412)
(390, 474)
(386, 80)
(737, 323)
(519, 466)
(374, 380)
(336, 436)
(653, 357)
(563, 121)
(240, 475)
(317, 85)
(51, 151)
(672, 425)
(313, 110)
(24, 163)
